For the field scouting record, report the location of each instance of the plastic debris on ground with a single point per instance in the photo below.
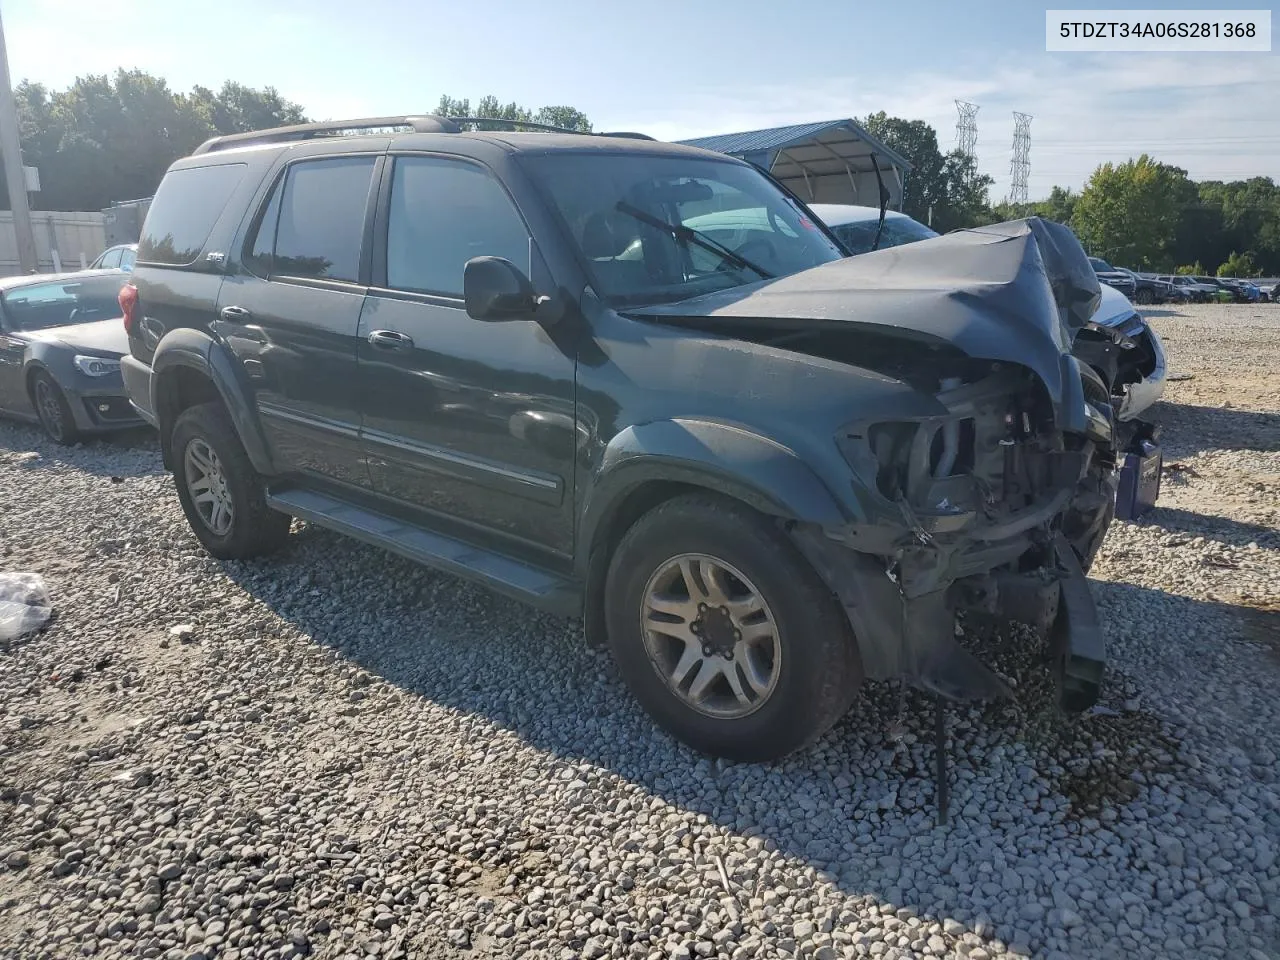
(24, 604)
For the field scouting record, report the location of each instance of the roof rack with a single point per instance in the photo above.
(427, 123)
(309, 131)
(549, 128)
(503, 123)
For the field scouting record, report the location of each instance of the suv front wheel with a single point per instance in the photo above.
(724, 632)
(221, 494)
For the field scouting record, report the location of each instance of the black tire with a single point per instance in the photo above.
(53, 409)
(818, 672)
(255, 528)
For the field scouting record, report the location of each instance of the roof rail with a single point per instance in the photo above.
(628, 134)
(503, 123)
(331, 128)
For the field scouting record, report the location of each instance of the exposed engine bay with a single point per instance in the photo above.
(998, 497)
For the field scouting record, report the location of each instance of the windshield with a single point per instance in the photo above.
(860, 236)
(62, 303)
(1101, 266)
(654, 229)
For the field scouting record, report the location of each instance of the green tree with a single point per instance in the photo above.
(1128, 212)
(1238, 265)
(1193, 270)
(111, 138)
(1060, 206)
(238, 109)
(947, 183)
(491, 108)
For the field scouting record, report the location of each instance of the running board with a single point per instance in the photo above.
(502, 574)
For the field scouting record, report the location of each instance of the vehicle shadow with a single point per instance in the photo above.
(132, 453)
(1188, 429)
(843, 806)
(1233, 533)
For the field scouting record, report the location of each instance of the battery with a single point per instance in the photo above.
(1139, 480)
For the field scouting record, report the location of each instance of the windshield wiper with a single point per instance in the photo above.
(693, 236)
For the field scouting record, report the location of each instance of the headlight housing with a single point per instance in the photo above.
(96, 366)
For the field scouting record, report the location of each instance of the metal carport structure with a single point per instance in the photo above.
(831, 161)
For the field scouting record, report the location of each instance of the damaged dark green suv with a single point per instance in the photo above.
(760, 470)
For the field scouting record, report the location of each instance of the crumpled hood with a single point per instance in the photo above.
(103, 338)
(1017, 291)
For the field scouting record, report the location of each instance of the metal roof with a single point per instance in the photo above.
(775, 138)
(831, 161)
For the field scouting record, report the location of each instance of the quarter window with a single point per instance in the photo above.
(184, 211)
(443, 213)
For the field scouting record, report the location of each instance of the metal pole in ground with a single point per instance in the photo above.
(11, 154)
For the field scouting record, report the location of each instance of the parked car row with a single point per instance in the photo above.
(637, 383)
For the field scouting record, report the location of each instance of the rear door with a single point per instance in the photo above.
(291, 314)
(465, 420)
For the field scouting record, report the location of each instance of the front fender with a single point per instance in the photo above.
(717, 456)
(185, 348)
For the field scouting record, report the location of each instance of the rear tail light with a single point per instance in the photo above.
(128, 300)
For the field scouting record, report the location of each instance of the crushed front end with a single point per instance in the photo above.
(991, 507)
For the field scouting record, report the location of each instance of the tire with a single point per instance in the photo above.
(205, 434)
(53, 409)
(814, 668)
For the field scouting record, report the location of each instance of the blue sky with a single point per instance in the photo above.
(677, 68)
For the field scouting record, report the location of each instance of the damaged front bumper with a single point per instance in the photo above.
(988, 509)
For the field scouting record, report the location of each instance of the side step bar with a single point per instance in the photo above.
(502, 574)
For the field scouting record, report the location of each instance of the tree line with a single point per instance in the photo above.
(107, 139)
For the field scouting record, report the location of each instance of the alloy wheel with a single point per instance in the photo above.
(711, 636)
(207, 485)
(49, 408)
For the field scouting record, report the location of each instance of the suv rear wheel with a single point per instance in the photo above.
(724, 632)
(221, 494)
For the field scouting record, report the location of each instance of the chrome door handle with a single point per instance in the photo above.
(390, 340)
(235, 314)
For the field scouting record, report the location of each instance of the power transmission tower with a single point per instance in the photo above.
(967, 129)
(1020, 168)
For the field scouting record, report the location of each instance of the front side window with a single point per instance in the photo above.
(321, 221)
(442, 214)
(654, 229)
(127, 259)
(59, 304)
(184, 211)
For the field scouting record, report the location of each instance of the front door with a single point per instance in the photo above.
(463, 419)
(13, 391)
(291, 314)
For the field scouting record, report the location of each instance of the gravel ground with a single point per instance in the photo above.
(334, 753)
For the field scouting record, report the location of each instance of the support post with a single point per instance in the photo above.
(11, 154)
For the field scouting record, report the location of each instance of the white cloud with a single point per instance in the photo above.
(1213, 114)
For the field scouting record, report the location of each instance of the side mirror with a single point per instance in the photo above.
(496, 289)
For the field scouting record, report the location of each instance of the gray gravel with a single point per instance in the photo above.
(335, 753)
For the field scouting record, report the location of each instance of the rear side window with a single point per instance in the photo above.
(443, 213)
(321, 220)
(184, 210)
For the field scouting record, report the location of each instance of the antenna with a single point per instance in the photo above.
(967, 129)
(1020, 168)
